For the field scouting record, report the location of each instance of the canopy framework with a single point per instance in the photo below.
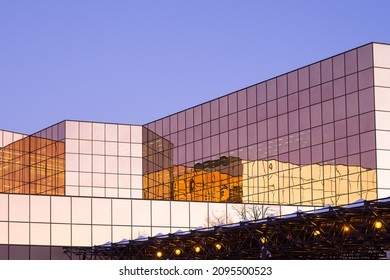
(357, 231)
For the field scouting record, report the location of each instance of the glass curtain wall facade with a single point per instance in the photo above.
(315, 136)
(306, 137)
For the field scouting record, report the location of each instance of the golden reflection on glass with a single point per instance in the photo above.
(33, 165)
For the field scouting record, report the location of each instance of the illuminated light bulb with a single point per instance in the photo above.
(262, 240)
(177, 252)
(197, 249)
(218, 246)
(159, 254)
(317, 232)
(346, 228)
(378, 224)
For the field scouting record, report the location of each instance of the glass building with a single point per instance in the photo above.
(315, 136)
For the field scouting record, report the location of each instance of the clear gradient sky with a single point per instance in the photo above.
(125, 61)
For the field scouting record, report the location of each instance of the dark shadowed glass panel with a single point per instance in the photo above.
(40, 252)
(350, 62)
(261, 94)
(316, 115)
(223, 106)
(233, 121)
(351, 84)
(353, 125)
(366, 78)
(271, 89)
(4, 252)
(341, 148)
(304, 118)
(316, 152)
(338, 66)
(282, 85)
(327, 91)
(232, 103)
(214, 109)
(293, 121)
(242, 118)
(315, 74)
(304, 98)
(262, 131)
(292, 78)
(315, 95)
(340, 129)
(282, 125)
(367, 122)
(206, 130)
(353, 144)
(18, 252)
(366, 100)
(365, 55)
(252, 117)
(326, 70)
(339, 87)
(303, 78)
(262, 112)
(340, 111)
(316, 135)
(328, 132)
(206, 112)
(282, 105)
(241, 96)
(181, 120)
(367, 141)
(327, 111)
(352, 104)
(197, 115)
(293, 102)
(224, 124)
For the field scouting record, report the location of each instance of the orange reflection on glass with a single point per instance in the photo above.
(33, 165)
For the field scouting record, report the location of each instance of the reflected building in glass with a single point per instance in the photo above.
(315, 136)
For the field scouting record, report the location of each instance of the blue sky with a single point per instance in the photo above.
(137, 61)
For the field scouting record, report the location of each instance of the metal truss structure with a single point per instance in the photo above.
(356, 231)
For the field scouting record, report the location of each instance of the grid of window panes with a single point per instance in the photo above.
(32, 164)
(306, 137)
(103, 160)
